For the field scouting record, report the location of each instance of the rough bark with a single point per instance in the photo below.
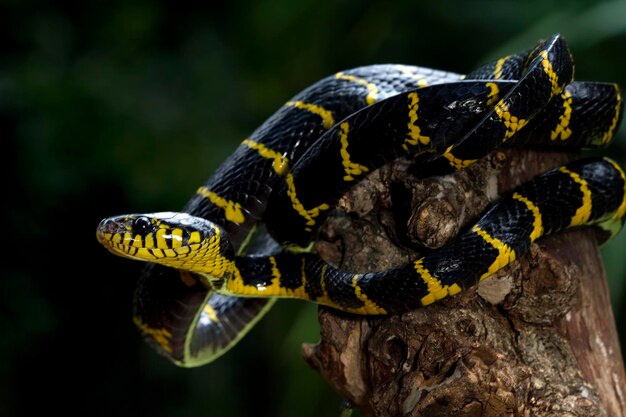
(536, 339)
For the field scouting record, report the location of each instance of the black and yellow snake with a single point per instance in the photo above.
(204, 287)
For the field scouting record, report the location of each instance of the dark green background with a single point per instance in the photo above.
(108, 107)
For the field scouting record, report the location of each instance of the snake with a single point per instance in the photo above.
(245, 237)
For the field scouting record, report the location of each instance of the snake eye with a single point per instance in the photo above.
(142, 225)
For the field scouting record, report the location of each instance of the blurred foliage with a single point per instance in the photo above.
(126, 106)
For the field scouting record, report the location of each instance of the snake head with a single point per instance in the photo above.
(177, 240)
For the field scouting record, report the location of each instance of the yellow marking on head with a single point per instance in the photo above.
(280, 164)
(494, 93)
(537, 222)
(194, 237)
(584, 211)
(138, 241)
(497, 71)
(232, 210)
(372, 94)
(621, 210)
(326, 115)
(512, 123)
(457, 163)
(160, 239)
(127, 238)
(183, 250)
(351, 168)
(211, 313)
(161, 336)
(606, 137)
(552, 75)
(309, 215)
(144, 253)
(170, 253)
(562, 129)
(415, 134)
(408, 72)
(369, 307)
(436, 291)
(149, 241)
(177, 237)
(506, 254)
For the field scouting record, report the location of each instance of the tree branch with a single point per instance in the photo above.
(536, 339)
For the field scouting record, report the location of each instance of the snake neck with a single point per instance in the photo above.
(213, 260)
(212, 257)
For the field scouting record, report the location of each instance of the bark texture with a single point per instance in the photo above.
(536, 339)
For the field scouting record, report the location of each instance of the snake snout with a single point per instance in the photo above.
(110, 226)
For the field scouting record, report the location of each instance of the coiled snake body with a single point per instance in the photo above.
(204, 286)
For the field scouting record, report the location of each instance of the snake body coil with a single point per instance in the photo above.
(202, 290)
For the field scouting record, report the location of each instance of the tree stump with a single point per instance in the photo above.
(536, 339)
